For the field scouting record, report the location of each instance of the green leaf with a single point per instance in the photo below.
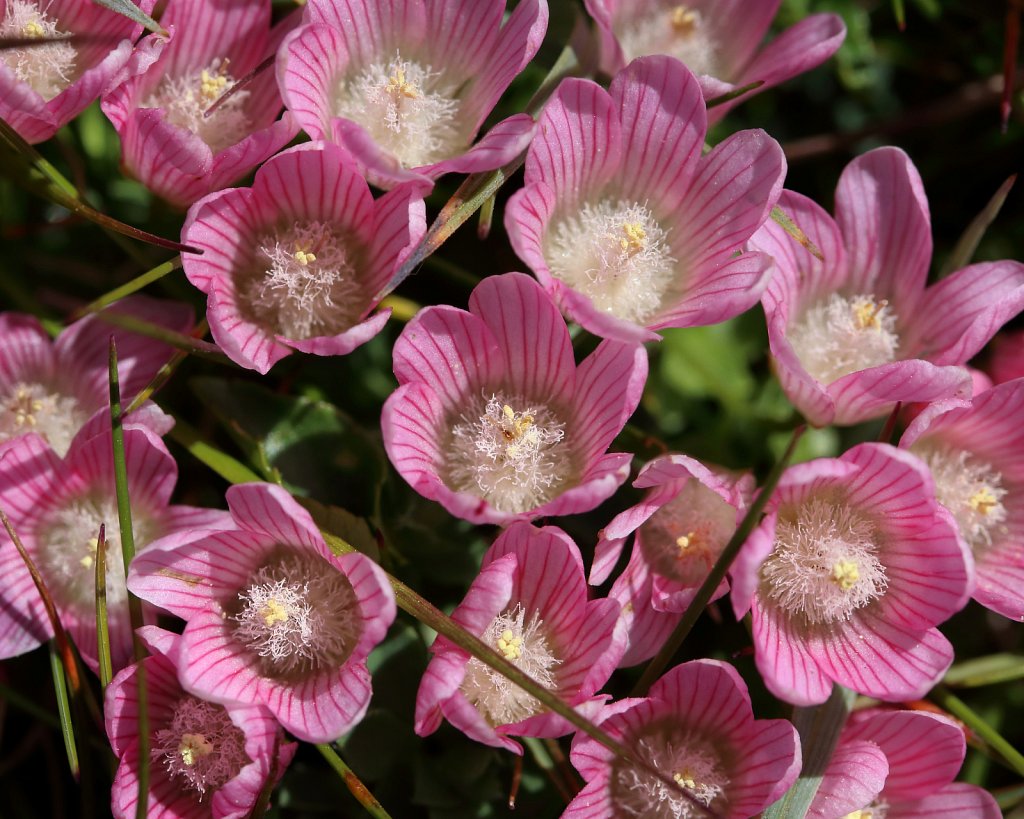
(352, 529)
(709, 362)
(967, 244)
(132, 12)
(995, 668)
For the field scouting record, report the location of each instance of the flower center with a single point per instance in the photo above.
(824, 565)
(298, 614)
(47, 69)
(509, 452)
(30, 407)
(201, 748)
(690, 759)
(876, 810)
(525, 645)
(186, 99)
(617, 254)
(684, 538)
(969, 488)
(672, 29)
(309, 286)
(844, 335)
(409, 109)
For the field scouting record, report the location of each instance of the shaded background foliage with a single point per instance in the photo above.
(932, 89)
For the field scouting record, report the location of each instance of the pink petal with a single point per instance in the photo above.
(951, 802)
(719, 294)
(399, 223)
(371, 28)
(501, 144)
(854, 777)
(322, 708)
(609, 383)
(206, 31)
(26, 350)
(309, 62)
(269, 510)
(870, 393)
(789, 669)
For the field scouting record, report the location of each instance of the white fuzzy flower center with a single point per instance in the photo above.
(617, 254)
(31, 407)
(185, 99)
(47, 69)
(298, 614)
(843, 335)
(309, 286)
(524, 644)
(878, 809)
(510, 451)
(825, 564)
(969, 488)
(201, 748)
(684, 538)
(672, 29)
(408, 108)
(66, 550)
(691, 760)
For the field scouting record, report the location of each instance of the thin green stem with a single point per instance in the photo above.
(67, 728)
(180, 341)
(353, 783)
(230, 469)
(102, 628)
(128, 288)
(945, 698)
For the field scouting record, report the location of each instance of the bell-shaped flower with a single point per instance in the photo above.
(295, 261)
(273, 617)
(899, 765)
(43, 87)
(182, 133)
(529, 603)
(207, 761)
(52, 388)
(623, 220)
(697, 727)
(975, 451)
(718, 40)
(853, 566)
(854, 334)
(493, 419)
(405, 85)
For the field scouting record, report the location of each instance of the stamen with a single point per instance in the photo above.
(46, 69)
(684, 21)
(31, 407)
(677, 30)
(201, 748)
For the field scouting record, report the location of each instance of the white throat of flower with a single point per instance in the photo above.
(878, 809)
(409, 109)
(305, 282)
(825, 564)
(971, 489)
(524, 644)
(186, 98)
(617, 254)
(690, 759)
(32, 407)
(509, 451)
(47, 69)
(201, 748)
(842, 335)
(684, 538)
(298, 614)
(674, 29)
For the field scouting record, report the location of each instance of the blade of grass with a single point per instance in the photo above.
(945, 698)
(128, 288)
(995, 668)
(731, 95)
(968, 242)
(791, 227)
(230, 469)
(900, 13)
(163, 375)
(102, 627)
(180, 341)
(134, 13)
(67, 728)
(353, 783)
(483, 226)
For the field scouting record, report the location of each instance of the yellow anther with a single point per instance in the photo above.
(304, 257)
(90, 557)
(194, 747)
(846, 574)
(984, 500)
(685, 778)
(510, 645)
(684, 21)
(635, 237)
(212, 86)
(398, 86)
(863, 813)
(33, 28)
(867, 312)
(685, 541)
(87, 561)
(513, 428)
(273, 612)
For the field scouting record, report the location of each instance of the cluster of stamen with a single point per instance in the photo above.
(298, 614)
(825, 564)
(188, 102)
(617, 254)
(672, 29)
(30, 407)
(523, 643)
(47, 69)
(516, 459)
(841, 335)
(878, 809)
(409, 109)
(201, 748)
(303, 282)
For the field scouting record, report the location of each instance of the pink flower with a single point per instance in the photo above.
(852, 568)
(697, 727)
(274, 618)
(207, 761)
(624, 222)
(493, 419)
(975, 451)
(681, 526)
(56, 506)
(295, 261)
(718, 40)
(1007, 359)
(54, 388)
(42, 88)
(854, 334)
(529, 603)
(167, 140)
(405, 85)
(900, 765)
